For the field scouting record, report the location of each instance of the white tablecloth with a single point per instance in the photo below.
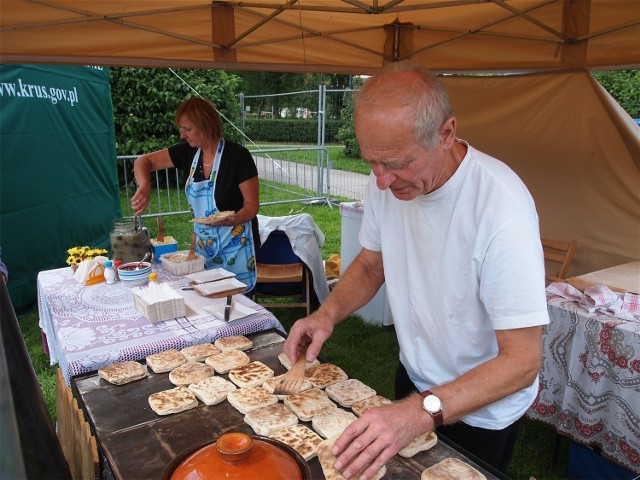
(88, 327)
(590, 380)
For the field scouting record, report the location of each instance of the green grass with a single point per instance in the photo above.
(365, 351)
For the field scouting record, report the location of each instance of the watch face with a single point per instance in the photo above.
(431, 403)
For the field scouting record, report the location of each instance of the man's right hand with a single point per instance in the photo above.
(308, 334)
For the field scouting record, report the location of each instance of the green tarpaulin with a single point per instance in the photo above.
(58, 178)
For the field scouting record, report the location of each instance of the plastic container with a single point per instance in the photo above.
(176, 263)
(127, 243)
(169, 245)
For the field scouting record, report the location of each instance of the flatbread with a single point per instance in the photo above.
(286, 363)
(368, 403)
(301, 438)
(349, 391)
(253, 374)
(212, 390)
(190, 373)
(325, 374)
(175, 400)
(332, 422)
(213, 219)
(268, 420)
(451, 469)
(120, 373)
(309, 403)
(327, 459)
(165, 361)
(226, 361)
(234, 342)
(198, 353)
(421, 443)
(270, 384)
(248, 399)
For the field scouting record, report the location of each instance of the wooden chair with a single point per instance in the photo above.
(281, 274)
(559, 252)
(78, 445)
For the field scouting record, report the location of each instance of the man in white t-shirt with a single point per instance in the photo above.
(454, 234)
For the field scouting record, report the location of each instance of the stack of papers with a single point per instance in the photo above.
(158, 302)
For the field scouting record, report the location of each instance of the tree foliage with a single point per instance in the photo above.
(145, 101)
(624, 86)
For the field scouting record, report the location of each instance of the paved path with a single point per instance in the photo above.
(349, 185)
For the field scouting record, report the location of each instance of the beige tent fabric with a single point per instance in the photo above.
(574, 147)
(333, 36)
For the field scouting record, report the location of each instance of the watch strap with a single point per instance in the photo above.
(436, 416)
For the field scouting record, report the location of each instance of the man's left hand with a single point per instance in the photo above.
(370, 441)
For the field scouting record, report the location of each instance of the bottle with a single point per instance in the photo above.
(109, 272)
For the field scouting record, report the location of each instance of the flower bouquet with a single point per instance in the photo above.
(80, 254)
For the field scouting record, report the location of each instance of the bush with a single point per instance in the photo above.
(289, 130)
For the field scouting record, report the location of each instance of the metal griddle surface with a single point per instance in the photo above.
(138, 443)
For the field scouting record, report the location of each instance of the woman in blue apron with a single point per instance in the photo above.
(220, 175)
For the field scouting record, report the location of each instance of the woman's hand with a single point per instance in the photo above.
(140, 200)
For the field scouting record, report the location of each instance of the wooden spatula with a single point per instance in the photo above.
(192, 251)
(291, 382)
(160, 236)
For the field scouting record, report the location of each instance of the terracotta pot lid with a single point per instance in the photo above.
(236, 455)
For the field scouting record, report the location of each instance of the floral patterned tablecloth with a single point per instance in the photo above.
(88, 327)
(590, 380)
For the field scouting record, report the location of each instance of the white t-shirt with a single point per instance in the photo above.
(459, 263)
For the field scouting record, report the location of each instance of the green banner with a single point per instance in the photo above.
(58, 178)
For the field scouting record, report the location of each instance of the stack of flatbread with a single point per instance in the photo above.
(451, 469)
(348, 392)
(309, 403)
(253, 374)
(327, 459)
(175, 400)
(120, 373)
(190, 373)
(368, 403)
(213, 219)
(301, 438)
(165, 361)
(332, 422)
(421, 443)
(270, 385)
(227, 361)
(286, 363)
(325, 374)
(268, 420)
(234, 342)
(212, 390)
(198, 353)
(247, 399)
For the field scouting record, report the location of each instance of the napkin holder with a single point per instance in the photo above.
(158, 302)
(90, 272)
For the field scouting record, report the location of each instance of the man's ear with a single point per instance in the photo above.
(447, 133)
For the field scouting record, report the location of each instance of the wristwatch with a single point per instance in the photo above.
(433, 406)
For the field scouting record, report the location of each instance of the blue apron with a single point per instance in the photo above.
(225, 247)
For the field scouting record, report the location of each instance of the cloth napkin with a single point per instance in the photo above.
(601, 299)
